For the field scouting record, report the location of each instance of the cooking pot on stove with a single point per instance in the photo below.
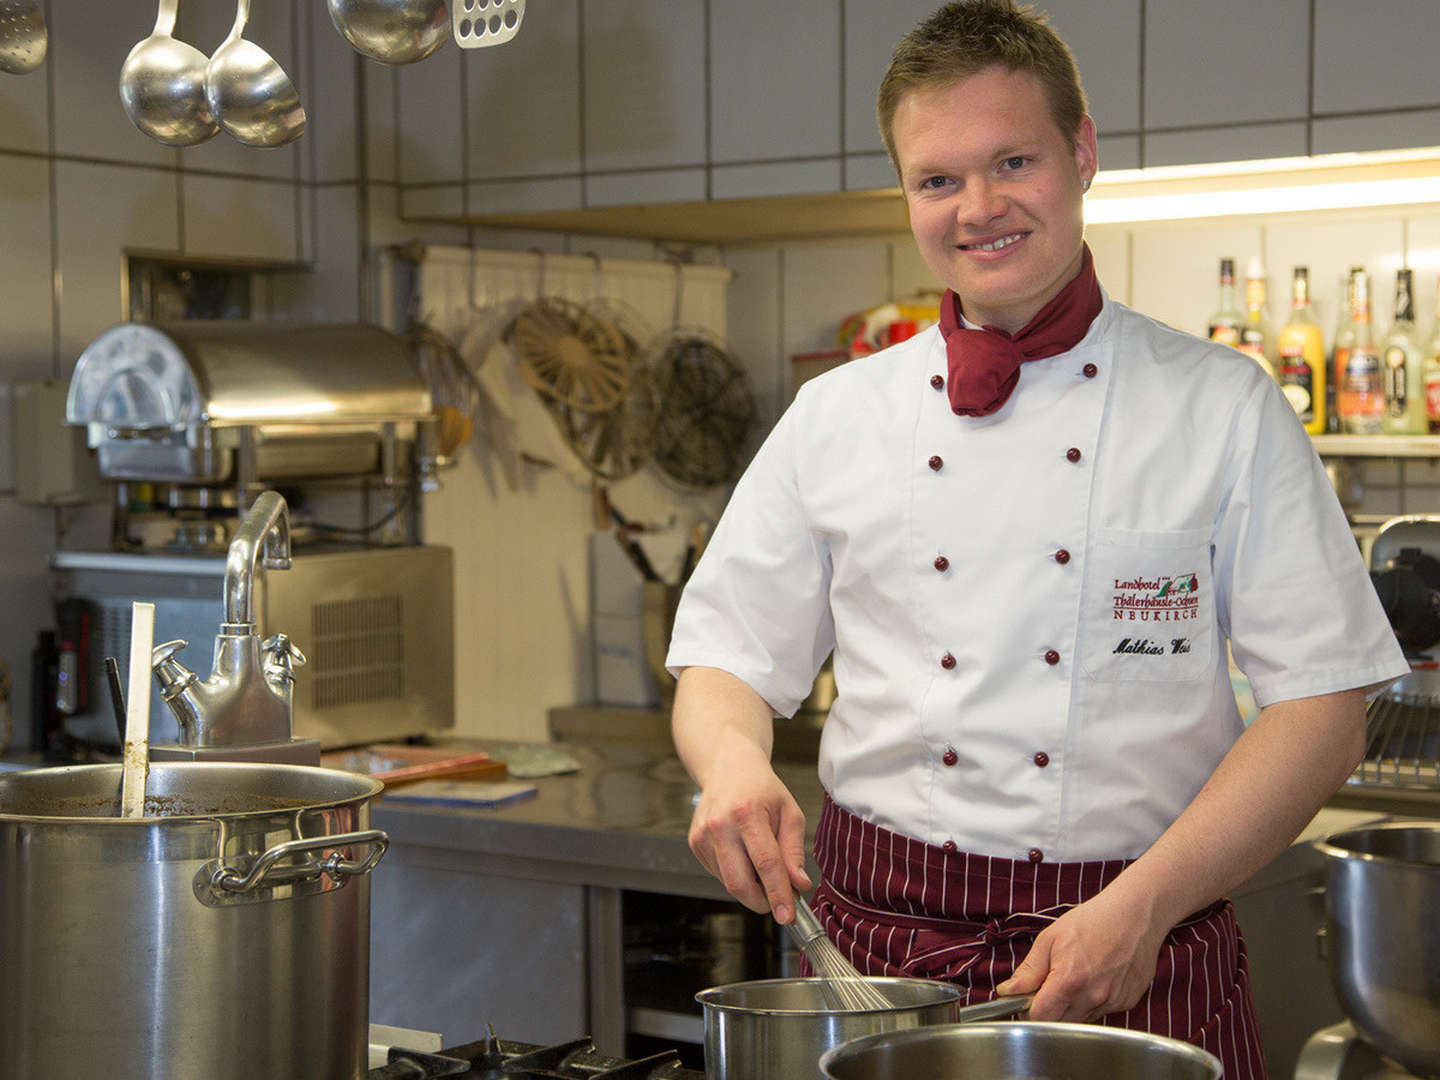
(1024, 1050)
(776, 1029)
(1382, 934)
(224, 935)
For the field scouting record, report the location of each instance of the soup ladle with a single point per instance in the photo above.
(162, 86)
(249, 92)
(392, 31)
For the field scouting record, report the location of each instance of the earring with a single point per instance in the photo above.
(1085, 185)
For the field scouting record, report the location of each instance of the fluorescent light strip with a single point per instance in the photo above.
(1100, 210)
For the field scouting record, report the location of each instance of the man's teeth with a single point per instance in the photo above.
(996, 245)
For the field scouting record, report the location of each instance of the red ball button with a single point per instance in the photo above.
(1042, 759)
(950, 757)
(947, 661)
(1036, 855)
(1073, 454)
(937, 381)
(1090, 371)
(950, 845)
(941, 563)
(936, 461)
(1062, 556)
(1052, 657)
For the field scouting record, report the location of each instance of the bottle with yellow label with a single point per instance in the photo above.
(1300, 352)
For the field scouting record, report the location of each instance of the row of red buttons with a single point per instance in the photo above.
(1034, 854)
(1052, 657)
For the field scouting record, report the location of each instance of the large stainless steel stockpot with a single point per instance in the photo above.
(1382, 933)
(776, 1029)
(223, 935)
(1018, 1052)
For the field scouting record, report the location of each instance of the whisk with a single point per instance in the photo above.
(843, 988)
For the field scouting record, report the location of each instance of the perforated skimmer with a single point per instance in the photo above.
(22, 36)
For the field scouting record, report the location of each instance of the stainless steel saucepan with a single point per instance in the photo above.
(1016, 1051)
(776, 1029)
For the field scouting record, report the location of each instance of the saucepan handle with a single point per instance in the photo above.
(998, 1009)
(218, 883)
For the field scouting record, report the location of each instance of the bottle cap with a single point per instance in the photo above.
(1255, 268)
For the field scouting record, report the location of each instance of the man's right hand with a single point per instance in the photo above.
(747, 830)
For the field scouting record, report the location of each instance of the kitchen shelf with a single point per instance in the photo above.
(1377, 446)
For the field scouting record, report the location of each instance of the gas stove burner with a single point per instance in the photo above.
(494, 1058)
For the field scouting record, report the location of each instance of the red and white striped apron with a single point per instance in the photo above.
(898, 906)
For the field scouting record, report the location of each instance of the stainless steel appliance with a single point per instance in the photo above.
(191, 422)
(1381, 881)
(224, 935)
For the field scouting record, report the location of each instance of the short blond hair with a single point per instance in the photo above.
(968, 36)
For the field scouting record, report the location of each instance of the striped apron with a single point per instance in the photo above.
(901, 907)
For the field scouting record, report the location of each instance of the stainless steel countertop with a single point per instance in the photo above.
(621, 820)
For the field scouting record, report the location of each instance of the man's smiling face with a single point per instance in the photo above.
(995, 192)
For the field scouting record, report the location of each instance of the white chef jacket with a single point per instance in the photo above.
(1029, 610)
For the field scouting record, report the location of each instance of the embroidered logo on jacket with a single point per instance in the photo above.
(1167, 598)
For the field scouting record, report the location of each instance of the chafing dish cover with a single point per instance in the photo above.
(141, 377)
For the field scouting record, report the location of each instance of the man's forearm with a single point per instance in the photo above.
(1267, 788)
(716, 713)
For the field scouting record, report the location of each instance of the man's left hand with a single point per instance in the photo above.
(1097, 958)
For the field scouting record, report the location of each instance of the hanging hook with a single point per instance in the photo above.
(474, 275)
(599, 274)
(679, 291)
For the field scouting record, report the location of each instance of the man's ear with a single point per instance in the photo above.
(1087, 154)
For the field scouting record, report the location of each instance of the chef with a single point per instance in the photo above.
(1029, 535)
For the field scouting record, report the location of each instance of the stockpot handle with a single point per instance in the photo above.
(263, 871)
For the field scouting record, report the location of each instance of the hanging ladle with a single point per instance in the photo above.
(392, 31)
(162, 86)
(249, 92)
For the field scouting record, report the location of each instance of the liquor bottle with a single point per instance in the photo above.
(1340, 349)
(1227, 321)
(1256, 337)
(1301, 351)
(1401, 360)
(1360, 398)
(1432, 373)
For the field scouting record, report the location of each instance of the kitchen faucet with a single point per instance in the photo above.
(243, 711)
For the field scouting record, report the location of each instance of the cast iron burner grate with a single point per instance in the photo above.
(495, 1059)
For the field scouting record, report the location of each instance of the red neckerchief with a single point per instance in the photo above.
(985, 364)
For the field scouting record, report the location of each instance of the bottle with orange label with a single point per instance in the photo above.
(1340, 348)
(1300, 350)
(1360, 397)
(1432, 373)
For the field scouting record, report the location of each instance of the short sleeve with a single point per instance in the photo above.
(1295, 596)
(757, 604)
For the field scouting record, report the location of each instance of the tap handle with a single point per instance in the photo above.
(160, 654)
(283, 652)
(172, 675)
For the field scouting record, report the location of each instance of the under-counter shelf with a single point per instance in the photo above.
(1384, 446)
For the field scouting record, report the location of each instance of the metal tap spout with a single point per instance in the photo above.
(247, 701)
(263, 534)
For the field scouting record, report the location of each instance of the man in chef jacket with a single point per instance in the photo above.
(1028, 535)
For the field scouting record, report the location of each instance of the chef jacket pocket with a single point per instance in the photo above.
(1149, 607)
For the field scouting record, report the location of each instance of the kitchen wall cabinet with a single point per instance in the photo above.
(671, 101)
(774, 80)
